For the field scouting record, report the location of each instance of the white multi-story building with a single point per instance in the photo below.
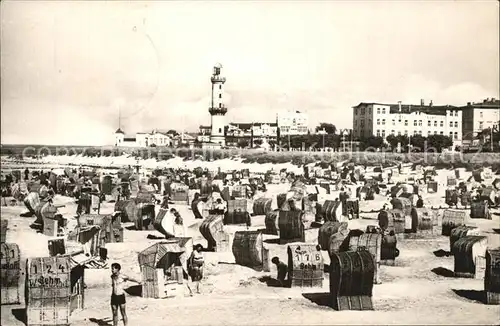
(142, 139)
(292, 123)
(377, 119)
(480, 116)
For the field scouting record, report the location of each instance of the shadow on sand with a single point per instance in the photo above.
(441, 271)
(270, 282)
(37, 227)
(272, 241)
(20, 314)
(134, 290)
(102, 322)
(154, 237)
(474, 295)
(321, 299)
(441, 253)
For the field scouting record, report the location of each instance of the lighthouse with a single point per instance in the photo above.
(217, 108)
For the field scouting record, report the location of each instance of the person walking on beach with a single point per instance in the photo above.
(118, 293)
(179, 226)
(195, 267)
(194, 206)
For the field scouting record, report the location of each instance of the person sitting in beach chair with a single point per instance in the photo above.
(282, 271)
(420, 202)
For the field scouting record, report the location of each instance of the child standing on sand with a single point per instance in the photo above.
(118, 293)
(195, 267)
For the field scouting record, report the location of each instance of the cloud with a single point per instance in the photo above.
(56, 125)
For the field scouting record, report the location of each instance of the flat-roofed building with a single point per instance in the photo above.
(379, 119)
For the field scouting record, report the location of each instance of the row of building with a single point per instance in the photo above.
(289, 123)
(154, 138)
(461, 123)
(220, 133)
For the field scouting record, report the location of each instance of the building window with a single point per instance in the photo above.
(378, 133)
(441, 123)
(220, 86)
(451, 124)
(435, 132)
(435, 123)
(420, 123)
(392, 132)
(362, 111)
(355, 111)
(383, 133)
(415, 123)
(441, 133)
(451, 134)
(456, 135)
(383, 122)
(456, 113)
(481, 125)
(420, 132)
(415, 132)
(399, 133)
(355, 122)
(378, 110)
(399, 120)
(220, 105)
(428, 123)
(481, 114)
(378, 121)
(383, 110)
(220, 95)
(428, 132)
(393, 122)
(456, 124)
(220, 130)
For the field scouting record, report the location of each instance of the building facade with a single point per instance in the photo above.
(292, 123)
(256, 129)
(477, 117)
(204, 134)
(248, 131)
(142, 139)
(184, 140)
(377, 119)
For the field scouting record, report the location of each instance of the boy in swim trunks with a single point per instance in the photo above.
(118, 293)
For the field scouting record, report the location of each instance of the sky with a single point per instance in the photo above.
(69, 67)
